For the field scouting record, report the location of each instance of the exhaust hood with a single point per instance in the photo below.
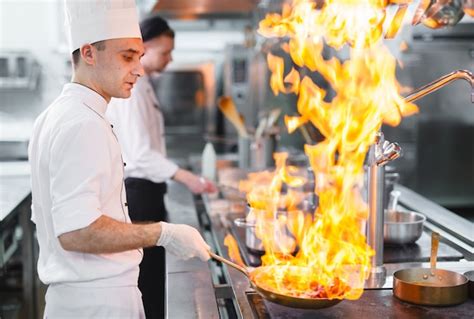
(202, 9)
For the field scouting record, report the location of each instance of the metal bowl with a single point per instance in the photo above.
(402, 227)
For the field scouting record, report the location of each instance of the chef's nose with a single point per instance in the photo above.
(138, 70)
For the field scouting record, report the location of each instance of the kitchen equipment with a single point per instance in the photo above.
(273, 117)
(443, 13)
(260, 128)
(245, 80)
(469, 7)
(430, 286)
(470, 277)
(253, 243)
(257, 153)
(402, 228)
(227, 106)
(396, 21)
(290, 301)
(420, 11)
(391, 178)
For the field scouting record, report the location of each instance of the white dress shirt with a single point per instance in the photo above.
(76, 173)
(139, 126)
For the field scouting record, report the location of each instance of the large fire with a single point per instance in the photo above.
(331, 246)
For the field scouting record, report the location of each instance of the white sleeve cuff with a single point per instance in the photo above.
(76, 213)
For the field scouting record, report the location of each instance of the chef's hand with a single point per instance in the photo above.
(183, 241)
(195, 183)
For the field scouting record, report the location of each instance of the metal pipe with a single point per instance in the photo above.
(375, 225)
(439, 83)
(375, 184)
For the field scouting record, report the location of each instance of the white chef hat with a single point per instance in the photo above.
(90, 21)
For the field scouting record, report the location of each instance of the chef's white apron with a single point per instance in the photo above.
(63, 301)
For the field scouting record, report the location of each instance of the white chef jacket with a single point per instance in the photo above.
(76, 175)
(139, 125)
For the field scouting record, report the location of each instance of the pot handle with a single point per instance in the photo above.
(242, 222)
(434, 251)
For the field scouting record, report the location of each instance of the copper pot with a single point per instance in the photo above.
(430, 286)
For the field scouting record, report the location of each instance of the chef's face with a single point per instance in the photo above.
(117, 67)
(158, 53)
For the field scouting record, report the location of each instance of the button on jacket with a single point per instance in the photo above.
(76, 175)
(138, 123)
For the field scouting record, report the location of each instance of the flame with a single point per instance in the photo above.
(324, 254)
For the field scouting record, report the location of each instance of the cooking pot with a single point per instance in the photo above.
(289, 301)
(253, 243)
(430, 286)
(257, 152)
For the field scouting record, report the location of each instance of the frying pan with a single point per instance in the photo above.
(430, 286)
(289, 301)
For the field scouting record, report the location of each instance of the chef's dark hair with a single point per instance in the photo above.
(155, 26)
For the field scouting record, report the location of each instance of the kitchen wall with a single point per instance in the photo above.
(32, 26)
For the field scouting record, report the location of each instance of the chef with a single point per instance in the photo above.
(89, 249)
(139, 126)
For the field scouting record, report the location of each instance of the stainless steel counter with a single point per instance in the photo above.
(14, 186)
(190, 288)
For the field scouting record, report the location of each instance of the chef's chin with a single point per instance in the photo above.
(125, 93)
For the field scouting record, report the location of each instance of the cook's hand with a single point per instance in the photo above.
(183, 241)
(195, 183)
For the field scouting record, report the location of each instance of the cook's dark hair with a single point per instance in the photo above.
(76, 55)
(155, 26)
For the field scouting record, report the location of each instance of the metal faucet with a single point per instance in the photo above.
(442, 81)
(380, 154)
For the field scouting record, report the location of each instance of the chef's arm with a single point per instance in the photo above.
(107, 235)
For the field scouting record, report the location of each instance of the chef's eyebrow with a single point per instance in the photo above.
(134, 52)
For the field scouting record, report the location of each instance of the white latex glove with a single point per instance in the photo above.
(183, 241)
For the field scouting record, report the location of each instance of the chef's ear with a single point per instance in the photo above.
(88, 53)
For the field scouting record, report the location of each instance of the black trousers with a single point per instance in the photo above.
(146, 204)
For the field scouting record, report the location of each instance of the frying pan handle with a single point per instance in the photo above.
(434, 251)
(229, 263)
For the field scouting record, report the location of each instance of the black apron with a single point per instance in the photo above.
(146, 204)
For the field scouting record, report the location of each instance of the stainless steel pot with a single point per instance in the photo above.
(402, 227)
(253, 243)
(257, 153)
